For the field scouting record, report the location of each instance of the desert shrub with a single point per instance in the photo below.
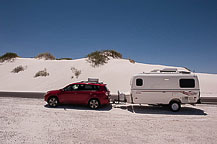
(101, 57)
(8, 56)
(132, 61)
(97, 58)
(76, 72)
(18, 69)
(46, 56)
(64, 59)
(112, 53)
(42, 73)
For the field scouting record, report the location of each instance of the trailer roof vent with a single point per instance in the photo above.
(185, 72)
(155, 70)
(169, 70)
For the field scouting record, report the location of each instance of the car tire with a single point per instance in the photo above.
(53, 102)
(174, 106)
(94, 103)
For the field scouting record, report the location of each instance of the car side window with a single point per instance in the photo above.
(75, 87)
(95, 87)
(81, 87)
(88, 87)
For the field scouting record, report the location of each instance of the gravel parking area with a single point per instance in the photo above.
(26, 120)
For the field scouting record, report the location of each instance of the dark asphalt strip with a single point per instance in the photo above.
(40, 95)
(23, 94)
(208, 100)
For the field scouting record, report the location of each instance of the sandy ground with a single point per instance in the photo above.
(31, 121)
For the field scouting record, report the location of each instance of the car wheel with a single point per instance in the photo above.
(53, 102)
(175, 106)
(94, 104)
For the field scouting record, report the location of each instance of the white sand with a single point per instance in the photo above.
(28, 121)
(116, 74)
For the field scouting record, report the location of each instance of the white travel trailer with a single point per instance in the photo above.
(165, 87)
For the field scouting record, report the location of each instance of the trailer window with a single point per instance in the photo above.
(139, 82)
(187, 83)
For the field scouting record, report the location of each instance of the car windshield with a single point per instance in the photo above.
(67, 88)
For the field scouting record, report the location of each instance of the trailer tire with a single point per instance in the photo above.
(174, 106)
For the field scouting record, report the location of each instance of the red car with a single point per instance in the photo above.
(87, 93)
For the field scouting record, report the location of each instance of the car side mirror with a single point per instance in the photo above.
(61, 90)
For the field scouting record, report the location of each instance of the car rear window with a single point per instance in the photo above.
(106, 88)
(103, 88)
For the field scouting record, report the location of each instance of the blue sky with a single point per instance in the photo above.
(168, 32)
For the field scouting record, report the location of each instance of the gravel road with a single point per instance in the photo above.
(26, 120)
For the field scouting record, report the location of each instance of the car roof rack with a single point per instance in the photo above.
(92, 80)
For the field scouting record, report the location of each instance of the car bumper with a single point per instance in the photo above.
(105, 102)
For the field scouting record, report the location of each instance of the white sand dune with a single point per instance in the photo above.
(116, 74)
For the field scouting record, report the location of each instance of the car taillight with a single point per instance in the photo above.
(107, 93)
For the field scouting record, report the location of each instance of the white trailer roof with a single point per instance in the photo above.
(167, 74)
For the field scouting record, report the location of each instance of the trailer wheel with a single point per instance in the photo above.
(174, 106)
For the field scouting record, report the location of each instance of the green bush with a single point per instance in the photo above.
(97, 58)
(18, 69)
(101, 57)
(64, 59)
(46, 56)
(42, 73)
(8, 56)
(112, 53)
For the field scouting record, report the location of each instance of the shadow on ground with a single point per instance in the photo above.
(163, 110)
(81, 107)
